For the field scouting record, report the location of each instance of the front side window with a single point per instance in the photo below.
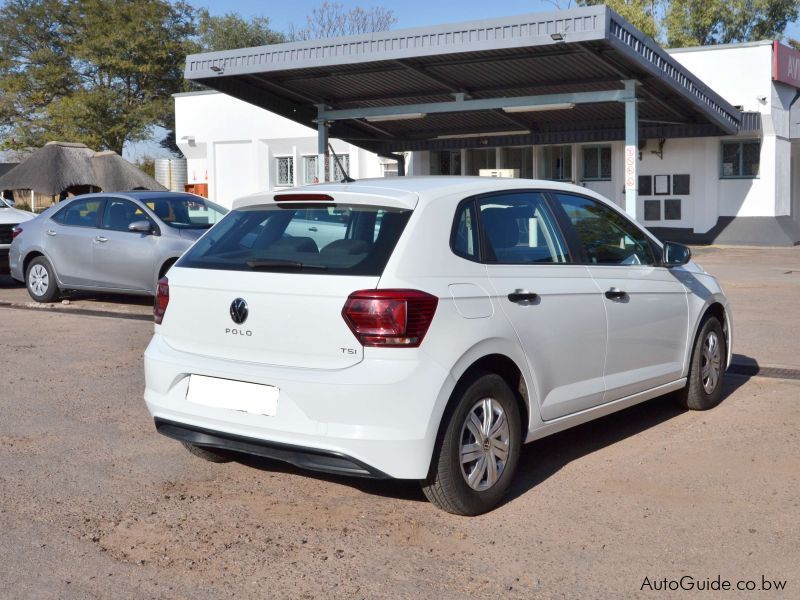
(185, 211)
(557, 164)
(741, 159)
(597, 163)
(301, 238)
(80, 213)
(119, 214)
(518, 228)
(284, 171)
(607, 237)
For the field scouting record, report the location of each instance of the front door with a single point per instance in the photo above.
(552, 303)
(646, 305)
(124, 260)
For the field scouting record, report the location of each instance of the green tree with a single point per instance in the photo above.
(100, 72)
(703, 22)
(34, 66)
(232, 31)
(643, 14)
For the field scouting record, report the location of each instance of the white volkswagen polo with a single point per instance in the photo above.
(424, 328)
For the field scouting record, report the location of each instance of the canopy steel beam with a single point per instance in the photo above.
(471, 105)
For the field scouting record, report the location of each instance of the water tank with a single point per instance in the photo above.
(172, 173)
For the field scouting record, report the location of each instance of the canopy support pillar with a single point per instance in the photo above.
(631, 146)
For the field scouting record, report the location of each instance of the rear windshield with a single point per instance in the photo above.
(308, 238)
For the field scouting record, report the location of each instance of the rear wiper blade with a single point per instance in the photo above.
(282, 264)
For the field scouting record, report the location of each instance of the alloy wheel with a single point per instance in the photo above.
(484, 444)
(39, 280)
(711, 362)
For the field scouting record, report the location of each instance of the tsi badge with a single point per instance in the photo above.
(239, 312)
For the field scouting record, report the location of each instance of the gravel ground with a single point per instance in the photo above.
(95, 504)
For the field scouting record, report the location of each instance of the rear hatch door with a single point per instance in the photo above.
(268, 283)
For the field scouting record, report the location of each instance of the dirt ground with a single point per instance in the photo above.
(95, 504)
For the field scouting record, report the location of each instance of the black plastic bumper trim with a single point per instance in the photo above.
(312, 459)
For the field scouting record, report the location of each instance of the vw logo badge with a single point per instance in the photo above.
(239, 311)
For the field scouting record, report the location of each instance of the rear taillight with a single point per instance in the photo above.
(162, 300)
(394, 318)
(15, 231)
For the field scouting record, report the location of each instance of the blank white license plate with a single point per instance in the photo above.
(233, 395)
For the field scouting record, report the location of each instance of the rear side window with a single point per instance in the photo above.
(516, 228)
(338, 240)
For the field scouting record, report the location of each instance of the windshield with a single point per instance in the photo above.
(336, 240)
(186, 212)
(4, 204)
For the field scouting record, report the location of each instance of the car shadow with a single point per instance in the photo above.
(9, 283)
(539, 460)
(543, 458)
(76, 295)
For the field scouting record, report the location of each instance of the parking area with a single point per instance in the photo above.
(95, 504)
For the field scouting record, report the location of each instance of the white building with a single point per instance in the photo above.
(236, 148)
(740, 188)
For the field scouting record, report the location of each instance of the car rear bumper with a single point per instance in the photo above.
(380, 416)
(305, 458)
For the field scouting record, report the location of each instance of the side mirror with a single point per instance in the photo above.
(143, 226)
(675, 254)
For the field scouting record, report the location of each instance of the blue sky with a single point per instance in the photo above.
(411, 13)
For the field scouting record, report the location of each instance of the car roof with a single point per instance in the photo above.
(407, 191)
(141, 195)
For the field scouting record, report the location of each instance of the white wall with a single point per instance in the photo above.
(741, 74)
(232, 145)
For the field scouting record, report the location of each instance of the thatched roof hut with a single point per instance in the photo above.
(115, 174)
(61, 169)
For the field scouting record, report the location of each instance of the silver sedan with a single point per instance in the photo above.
(111, 242)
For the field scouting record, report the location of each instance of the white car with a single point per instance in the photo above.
(452, 320)
(10, 217)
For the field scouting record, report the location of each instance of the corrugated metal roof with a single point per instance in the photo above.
(505, 57)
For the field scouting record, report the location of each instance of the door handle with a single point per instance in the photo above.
(616, 294)
(101, 239)
(518, 296)
(51, 232)
(313, 229)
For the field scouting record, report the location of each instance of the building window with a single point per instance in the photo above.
(310, 167)
(445, 162)
(390, 169)
(285, 171)
(597, 163)
(339, 174)
(557, 163)
(741, 159)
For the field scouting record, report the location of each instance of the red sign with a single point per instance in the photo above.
(785, 64)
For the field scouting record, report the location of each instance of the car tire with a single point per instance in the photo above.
(210, 454)
(706, 371)
(467, 487)
(41, 281)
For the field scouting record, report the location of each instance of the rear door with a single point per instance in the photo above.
(123, 259)
(647, 307)
(552, 303)
(293, 286)
(68, 239)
